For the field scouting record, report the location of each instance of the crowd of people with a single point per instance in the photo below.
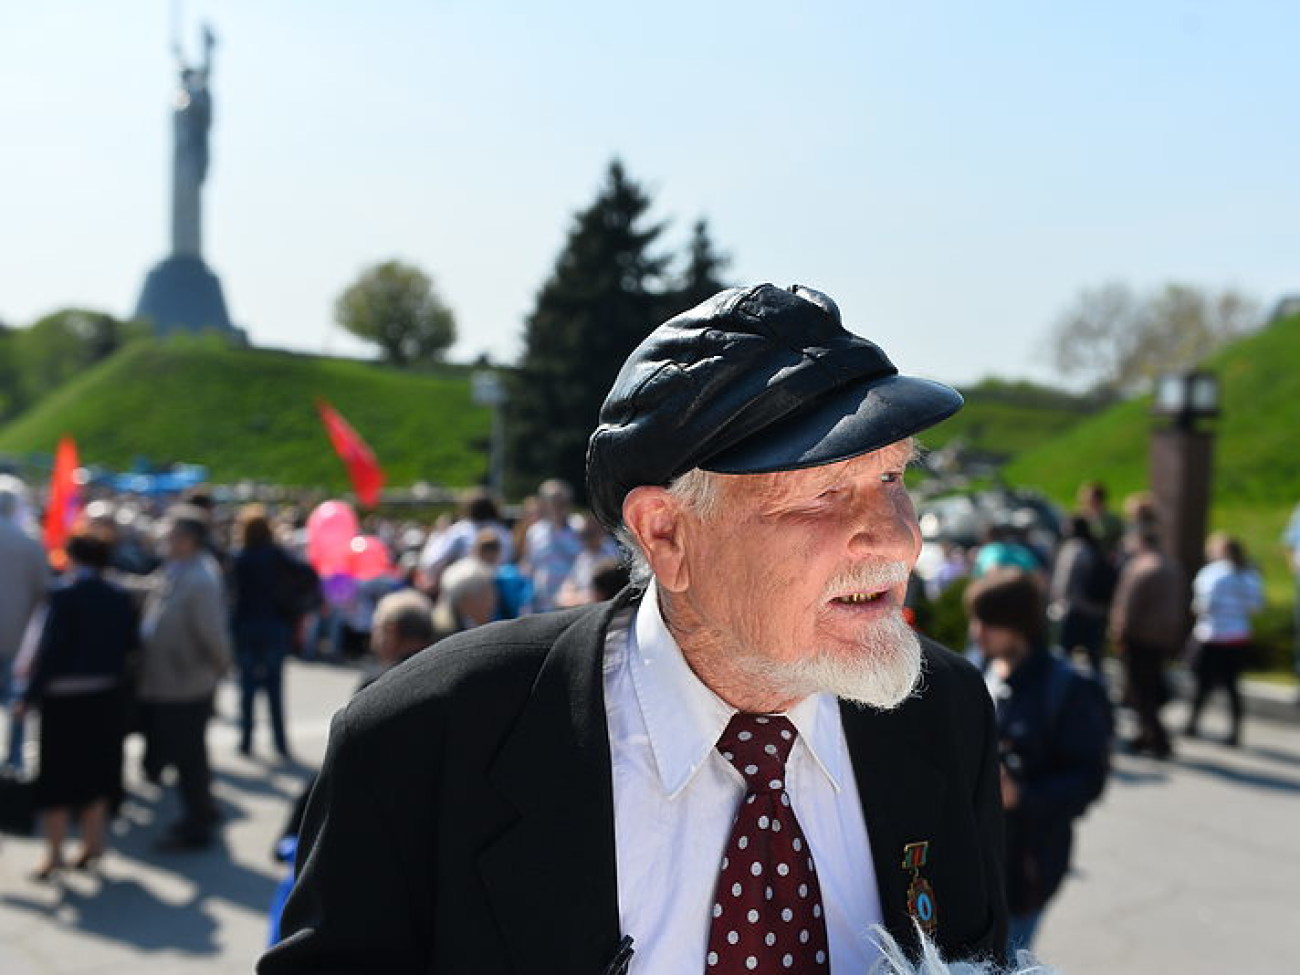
(151, 604)
(1043, 623)
(1112, 590)
(156, 605)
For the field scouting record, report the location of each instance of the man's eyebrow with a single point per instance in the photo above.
(904, 453)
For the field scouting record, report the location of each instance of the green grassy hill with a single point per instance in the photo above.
(1256, 462)
(1003, 419)
(250, 414)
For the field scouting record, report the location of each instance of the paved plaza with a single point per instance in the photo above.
(150, 912)
(1190, 867)
(1186, 867)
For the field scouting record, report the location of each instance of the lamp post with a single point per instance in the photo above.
(1181, 461)
(487, 389)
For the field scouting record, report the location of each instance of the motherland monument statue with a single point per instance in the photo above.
(181, 294)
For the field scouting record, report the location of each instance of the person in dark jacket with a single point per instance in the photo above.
(1079, 594)
(78, 681)
(1054, 724)
(261, 623)
(1148, 627)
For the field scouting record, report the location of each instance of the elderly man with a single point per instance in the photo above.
(187, 650)
(735, 766)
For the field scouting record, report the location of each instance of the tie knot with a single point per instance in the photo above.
(758, 746)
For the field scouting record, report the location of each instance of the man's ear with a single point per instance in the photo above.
(654, 518)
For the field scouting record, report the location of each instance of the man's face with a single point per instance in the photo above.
(179, 543)
(997, 642)
(478, 606)
(557, 506)
(809, 568)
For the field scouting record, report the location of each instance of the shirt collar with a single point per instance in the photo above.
(817, 719)
(684, 719)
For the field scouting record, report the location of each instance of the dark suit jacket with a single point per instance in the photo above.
(463, 821)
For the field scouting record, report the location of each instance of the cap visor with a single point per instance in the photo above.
(845, 423)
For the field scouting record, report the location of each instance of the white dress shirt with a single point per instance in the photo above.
(675, 798)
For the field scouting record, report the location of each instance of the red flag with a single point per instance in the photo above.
(64, 502)
(363, 470)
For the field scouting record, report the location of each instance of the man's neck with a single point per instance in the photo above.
(713, 660)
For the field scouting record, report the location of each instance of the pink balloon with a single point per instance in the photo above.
(330, 530)
(370, 558)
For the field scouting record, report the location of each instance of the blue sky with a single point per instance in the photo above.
(953, 173)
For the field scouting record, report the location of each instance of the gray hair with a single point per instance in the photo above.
(465, 577)
(555, 489)
(410, 612)
(697, 491)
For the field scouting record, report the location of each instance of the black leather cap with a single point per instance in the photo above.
(751, 381)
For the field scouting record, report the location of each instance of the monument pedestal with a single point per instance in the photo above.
(181, 294)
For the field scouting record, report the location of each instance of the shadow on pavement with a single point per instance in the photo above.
(1133, 774)
(259, 782)
(1241, 776)
(126, 911)
(1275, 755)
(123, 904)
(211, 869)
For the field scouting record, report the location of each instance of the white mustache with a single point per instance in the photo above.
(869, 576)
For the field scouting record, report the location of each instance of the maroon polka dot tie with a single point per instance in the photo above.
(767, 911)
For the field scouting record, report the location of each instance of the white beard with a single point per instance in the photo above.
(882, 674)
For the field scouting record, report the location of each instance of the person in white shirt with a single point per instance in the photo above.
(598, 548)
(742, 763)
(1225, 593)
(551, 545)
(478, 513)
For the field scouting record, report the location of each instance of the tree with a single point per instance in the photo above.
(1120, 341)
(57, 347)
(703, 275)
(602, 298)
(11, 397)
(396, 306)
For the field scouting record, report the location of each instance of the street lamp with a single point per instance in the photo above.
(1186, 397)
(487, 389)
(1181, 461)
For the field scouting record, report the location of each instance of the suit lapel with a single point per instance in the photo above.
(901, 793)
(551, 875)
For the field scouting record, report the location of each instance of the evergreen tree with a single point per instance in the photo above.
(603, 297)
(703, 275)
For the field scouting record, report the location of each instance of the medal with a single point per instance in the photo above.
(920, 895)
